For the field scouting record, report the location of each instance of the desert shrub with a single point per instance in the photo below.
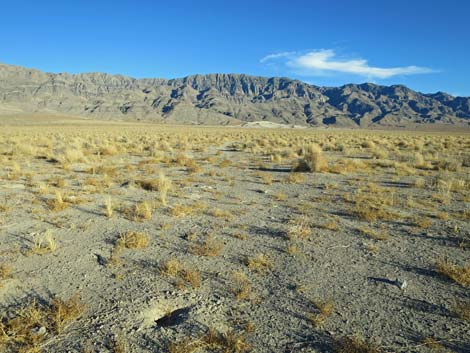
(312, 160)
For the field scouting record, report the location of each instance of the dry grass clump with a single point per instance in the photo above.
(25, 328)
(225, 163)
(265, 177)
(218, 213)
(294, 178)
(191, 276)
(462, 310)
(44, 243)
(259, 263)
(128, 240)
(5, 272)
(192, 167)
(420, 183)
(141, 211)
(325, 308)
(65, 311)
(208, 247)
(372, 208)
(299, 228)
(161, 184)
(459, 274)
(108, 207)
(329, 225)
(374, 234)
(174, 268)
(240, 287)
(57, 203)
(179, 210)
(213, 341)
(119, 344)
(170, 267)
(421, 222)
(355, 344)
(133, 240)
(433, 344)
(68, 155)
(312, 160)
(280, 196)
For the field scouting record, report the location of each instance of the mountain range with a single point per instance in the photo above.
(224, 99)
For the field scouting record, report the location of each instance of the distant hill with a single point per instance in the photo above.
(225, 99)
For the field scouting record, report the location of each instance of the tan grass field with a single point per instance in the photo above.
(120, 237)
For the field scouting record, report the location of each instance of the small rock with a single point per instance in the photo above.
(38, 331)
(401, 284)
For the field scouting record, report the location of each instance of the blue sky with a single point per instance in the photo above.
(422, 44)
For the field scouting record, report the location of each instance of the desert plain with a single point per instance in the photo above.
(133, 237)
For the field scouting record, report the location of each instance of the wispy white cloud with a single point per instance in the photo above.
(320, 62)
(275, 56)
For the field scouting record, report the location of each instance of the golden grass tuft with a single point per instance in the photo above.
(161, 184)
(192, 276)
(355, 344)
(119, 344)
(108, 207)
(462, 310)
(213, 341)
(374, 234)
(57, 203)
(180, 210)
(225, 163)
(312, 160)
(133, 240)
(294, 178)
(142, 211)
(44, 243)
(298, 228)
(433, 344)
(65, 311)
(324, 308)
(208, 247)
(174, 268)
(265, 177)
(259, 263)
(5, 272)
(25, 328)
(240, 287)
(170, 267)
(459, 274)
(218, 213)
(372, 209)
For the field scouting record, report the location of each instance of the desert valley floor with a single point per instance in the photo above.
(122, 237)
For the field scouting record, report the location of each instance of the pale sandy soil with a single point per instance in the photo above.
(248, 206)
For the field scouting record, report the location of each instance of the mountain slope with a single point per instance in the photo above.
(224, 99)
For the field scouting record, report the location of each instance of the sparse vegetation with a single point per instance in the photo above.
(227, 231)
(462, 309)
(108, 206)
(5, 272)
(210, 246)
(312, 160)
(213, 340)
(355, 344)
(28, 326)
(259, 263)
(133, 240)
(44, 243)
(459, 274)
(241, 287)
(57, 203)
